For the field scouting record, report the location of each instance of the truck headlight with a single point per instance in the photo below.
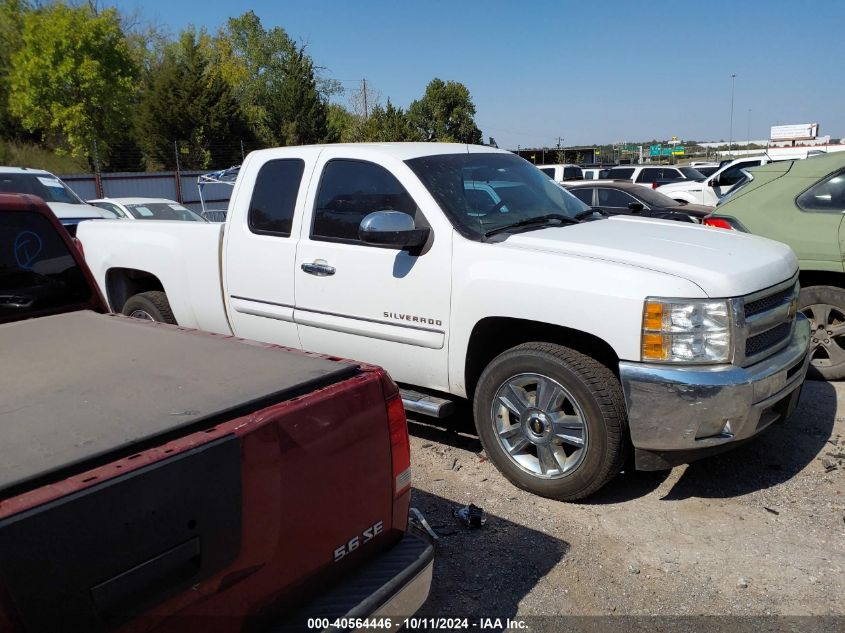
(686, 331)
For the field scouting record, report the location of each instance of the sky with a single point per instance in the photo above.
(585, 72)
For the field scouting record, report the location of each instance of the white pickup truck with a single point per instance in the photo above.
(467, 273)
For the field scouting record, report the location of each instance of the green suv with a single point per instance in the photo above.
(801, 203)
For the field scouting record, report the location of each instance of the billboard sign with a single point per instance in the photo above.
(800, 132)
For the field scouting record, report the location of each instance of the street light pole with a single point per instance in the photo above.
(731, 137)
(748, 132)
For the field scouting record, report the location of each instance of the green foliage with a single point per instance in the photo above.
(11, 28)
(252, 61)
(299, 110)
(387, 124)
(73, 76)
(341, 124)
(76, 77)
(274, 81)
(445, 113)
(186, 99)
(20, 154)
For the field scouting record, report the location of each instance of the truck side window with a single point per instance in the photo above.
(349, 191)
(828, 196)
(274, 196)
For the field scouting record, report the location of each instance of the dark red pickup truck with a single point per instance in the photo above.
(157, 478)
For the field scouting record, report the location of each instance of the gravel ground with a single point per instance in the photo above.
(756, 531)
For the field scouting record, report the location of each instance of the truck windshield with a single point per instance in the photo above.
(485, 191)
(37, 272)
(44, 185)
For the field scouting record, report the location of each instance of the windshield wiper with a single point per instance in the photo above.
(540, 219)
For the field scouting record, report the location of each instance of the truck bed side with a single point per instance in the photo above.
(182, 258)
(250, 511)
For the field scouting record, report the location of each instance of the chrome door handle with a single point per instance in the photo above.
(321, 270)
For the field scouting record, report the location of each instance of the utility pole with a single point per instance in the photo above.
(364, 90)
(748, 133)
(731, 137)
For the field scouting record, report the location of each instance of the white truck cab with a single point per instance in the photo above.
(469, 274)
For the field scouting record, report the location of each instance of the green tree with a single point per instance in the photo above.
(275, 82)
(299, 111)
(445, 113)
(252, 61)
(11, 38)
(186, 100)
(386, 124)
(341, 124)
(73, 76)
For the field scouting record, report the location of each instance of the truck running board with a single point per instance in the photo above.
(425, 404)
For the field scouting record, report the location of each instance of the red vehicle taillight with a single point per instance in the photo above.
(718, 223)
(400, 445)
(654, 185)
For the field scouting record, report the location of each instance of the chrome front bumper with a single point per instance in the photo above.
(677, 414)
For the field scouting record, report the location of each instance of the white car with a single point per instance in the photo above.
(652, 176)
(68, 207)
(147, 209)
(469, 274)
(710, 190)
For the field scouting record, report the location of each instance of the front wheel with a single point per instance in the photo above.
(552, 420)
(150, 306)
(824, 306)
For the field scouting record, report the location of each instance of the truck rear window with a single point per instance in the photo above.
(37, 272)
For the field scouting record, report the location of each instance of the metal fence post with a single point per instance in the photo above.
(178, 174)
(98, 179)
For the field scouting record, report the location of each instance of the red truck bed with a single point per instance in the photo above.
(58, 410)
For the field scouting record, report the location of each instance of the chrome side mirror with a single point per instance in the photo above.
(393, 229)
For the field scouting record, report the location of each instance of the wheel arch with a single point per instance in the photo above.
(808, 278)
(122, 283)
(493, 335)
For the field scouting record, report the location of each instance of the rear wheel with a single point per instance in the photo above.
(824, 306)
(150, 306)
(552, 420)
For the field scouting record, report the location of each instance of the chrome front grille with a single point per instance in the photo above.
(770, 338)
(767, 303)
(764, 322)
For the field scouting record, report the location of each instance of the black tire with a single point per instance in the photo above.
(599, 396)
(827, 342)
(153, 303)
